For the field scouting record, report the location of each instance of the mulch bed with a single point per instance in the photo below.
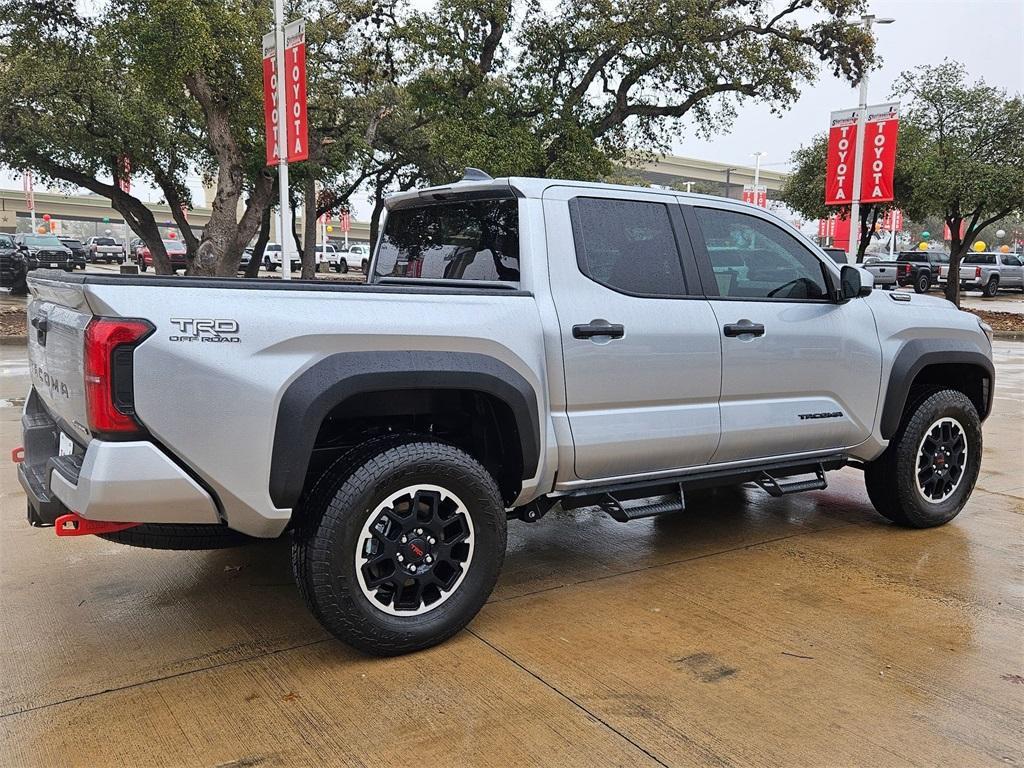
(12, 321)
(1001, 322)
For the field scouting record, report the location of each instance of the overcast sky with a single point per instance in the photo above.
(987, 36)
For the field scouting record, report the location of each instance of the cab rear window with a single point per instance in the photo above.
(980, 258)
(469, 240)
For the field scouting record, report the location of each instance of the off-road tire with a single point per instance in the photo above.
(922, 283)
(364, 265)
(891, 479)
(179, 536)
(991, 287)
(142, 266)
(332, 515)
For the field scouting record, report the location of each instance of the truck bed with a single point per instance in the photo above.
(41, 277)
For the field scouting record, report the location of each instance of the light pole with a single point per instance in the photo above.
(757, 169)
(867, 21)
(283, 220)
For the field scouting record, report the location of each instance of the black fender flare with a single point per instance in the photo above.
(334, 379)
(915, 356)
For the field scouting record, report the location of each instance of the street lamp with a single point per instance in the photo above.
(757, 168)
(867, 21)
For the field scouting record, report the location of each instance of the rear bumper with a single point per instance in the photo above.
(131, 482)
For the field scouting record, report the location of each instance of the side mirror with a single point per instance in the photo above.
(850, 286)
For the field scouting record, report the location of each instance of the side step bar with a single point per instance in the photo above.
(610, 497)
(773, 487)
(623, 513)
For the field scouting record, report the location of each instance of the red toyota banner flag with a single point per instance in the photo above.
(841, 233)
(755, 195)
(948, 235)
(295, 83)
(270, 99)
(878, 162)
(346, 221)
(125, 182)
(896, 220)
(842, 134)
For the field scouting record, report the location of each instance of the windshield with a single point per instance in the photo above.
(105, 241)
(71, 243)
(464, 240)
(173, 245)
(48, 240)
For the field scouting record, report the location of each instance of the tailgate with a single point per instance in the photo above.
(57, 317)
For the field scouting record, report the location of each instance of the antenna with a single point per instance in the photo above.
(475, 174)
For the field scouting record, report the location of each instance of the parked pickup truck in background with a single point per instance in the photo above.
(104, 249)
(988, 272)
(919, 269)
(521, 345)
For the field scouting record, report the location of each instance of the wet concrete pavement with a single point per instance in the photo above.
(748, 631)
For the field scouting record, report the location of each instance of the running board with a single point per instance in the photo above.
(623, 513)
(773, 487)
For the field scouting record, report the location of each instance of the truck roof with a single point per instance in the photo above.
(526, 186)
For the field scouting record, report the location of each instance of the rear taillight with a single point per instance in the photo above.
(905, 269)
(977, 273)
(109, 389)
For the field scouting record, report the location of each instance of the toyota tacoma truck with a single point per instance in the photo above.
(988, 272)
(919, 269)
(522, 345)
(104, 249)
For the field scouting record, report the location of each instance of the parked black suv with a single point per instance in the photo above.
(12, 266)
(79, 254)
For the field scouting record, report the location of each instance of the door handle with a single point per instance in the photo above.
(743, 328)
(598, 328)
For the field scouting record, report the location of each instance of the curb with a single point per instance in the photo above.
(1008, 335)
(13, 341)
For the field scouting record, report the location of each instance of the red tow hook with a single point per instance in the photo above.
(75, 525)
(18, 454)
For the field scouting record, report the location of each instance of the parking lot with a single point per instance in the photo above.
(744, 631)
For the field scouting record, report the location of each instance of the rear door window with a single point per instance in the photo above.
(470, 240)
(627, 245)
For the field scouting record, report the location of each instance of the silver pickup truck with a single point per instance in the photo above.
(522, 344)
(988, 272)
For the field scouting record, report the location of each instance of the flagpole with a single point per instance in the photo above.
(284, 224)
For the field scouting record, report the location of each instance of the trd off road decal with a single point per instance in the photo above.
(205, 330)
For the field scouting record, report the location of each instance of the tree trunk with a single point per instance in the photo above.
(309, 230)
(253, 269)
(286, 263)
(865, 229)
(225, 236)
